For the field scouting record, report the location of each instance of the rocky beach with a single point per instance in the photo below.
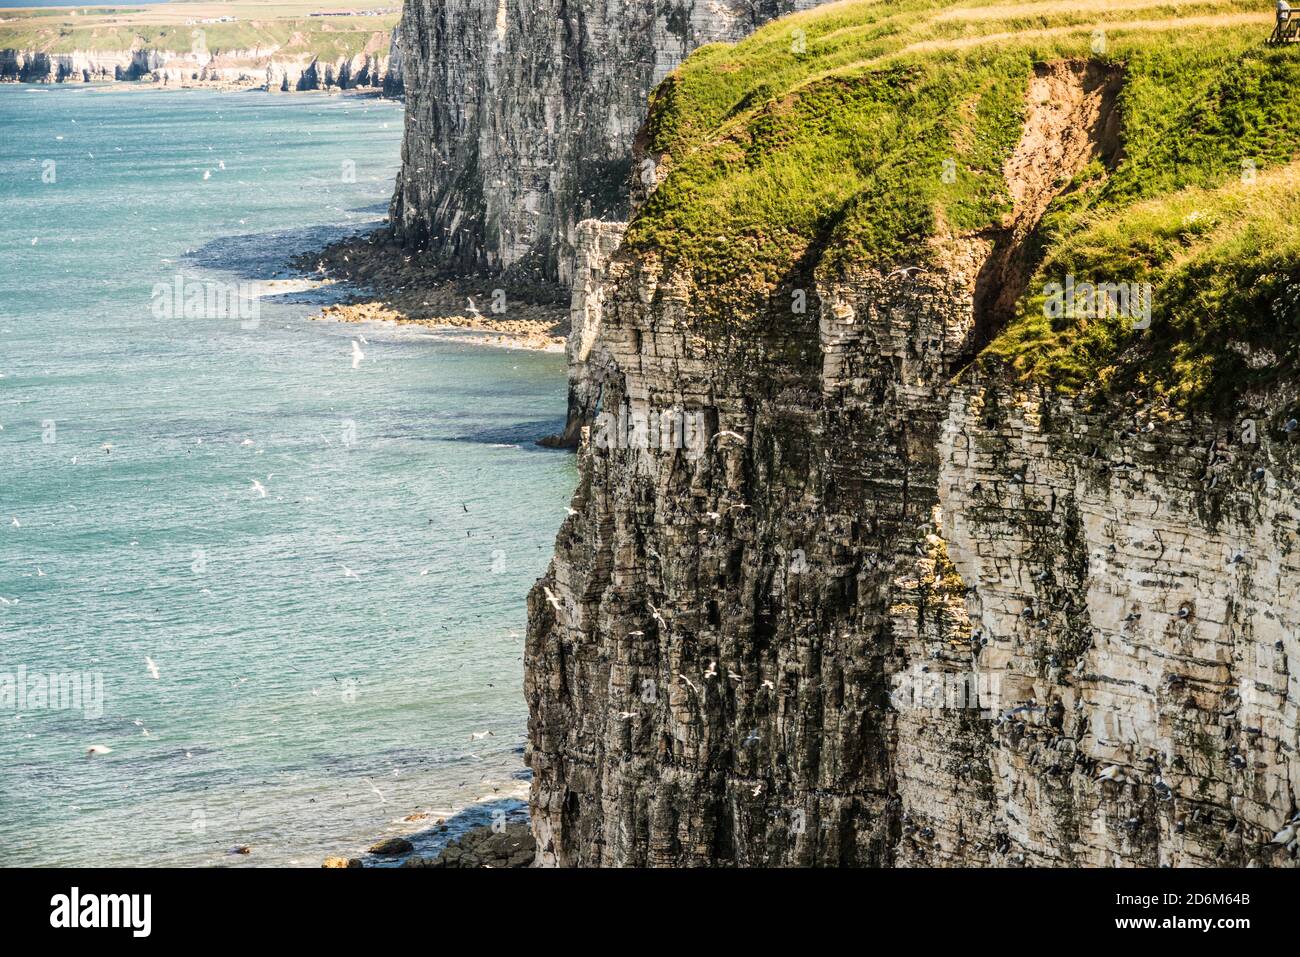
(492, 832)
(388, 284)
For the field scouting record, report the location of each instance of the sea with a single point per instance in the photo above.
(262, 577)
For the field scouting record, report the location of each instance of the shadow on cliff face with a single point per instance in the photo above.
(1070, 121)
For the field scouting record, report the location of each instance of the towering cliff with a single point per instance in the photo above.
(884, 553)
(520, 118)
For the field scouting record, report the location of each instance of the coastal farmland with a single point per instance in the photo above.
(321, 29)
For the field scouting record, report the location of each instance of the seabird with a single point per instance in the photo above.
(654, 613)
(907, 272)
(151, 667)
(98, 749)
(380, 794)
(555, 602)
(1284, 836)
(357, 354)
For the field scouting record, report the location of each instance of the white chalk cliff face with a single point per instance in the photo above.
(1134, 585)
(521, 116)
(377, 67)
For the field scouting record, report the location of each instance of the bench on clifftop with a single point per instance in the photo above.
(1287, 28)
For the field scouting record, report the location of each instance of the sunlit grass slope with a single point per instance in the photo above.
(824, 135)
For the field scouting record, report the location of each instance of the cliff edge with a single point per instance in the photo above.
(937, 472)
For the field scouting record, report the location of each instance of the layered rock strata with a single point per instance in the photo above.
(893, 609)
(589, 362)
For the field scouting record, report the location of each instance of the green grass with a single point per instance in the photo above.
(318, 36)
(1224, 265)
(831, 151)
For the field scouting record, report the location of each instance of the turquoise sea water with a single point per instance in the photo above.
(325, 652)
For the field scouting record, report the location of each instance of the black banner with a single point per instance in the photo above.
(397, 905)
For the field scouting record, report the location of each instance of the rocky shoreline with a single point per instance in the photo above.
(394, 285)
(509, 846)
(492, 832)
(147, 84)
(490, 846)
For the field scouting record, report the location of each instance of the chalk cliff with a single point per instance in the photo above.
(271, 67)
(898, 601)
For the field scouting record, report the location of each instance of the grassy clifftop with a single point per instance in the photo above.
(859, 130)
(170, 27)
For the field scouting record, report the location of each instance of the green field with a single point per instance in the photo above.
(286, 27)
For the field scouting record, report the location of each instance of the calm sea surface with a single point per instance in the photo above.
(324, 558)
